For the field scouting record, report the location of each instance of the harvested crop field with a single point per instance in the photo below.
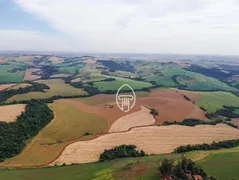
(57, 87)
(69, 124)
(29, 76)
(9, 113)
(17, 86)
(153, 140)
(136, 119)
(5, 86)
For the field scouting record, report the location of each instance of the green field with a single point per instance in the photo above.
(103, 86)
(223, 164)
(213, 101)
(6, 76)
(197, 81)
(70, 69)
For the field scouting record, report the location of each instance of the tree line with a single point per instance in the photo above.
(120, 152)
(213, 146)
(15, 135)
(195, 122)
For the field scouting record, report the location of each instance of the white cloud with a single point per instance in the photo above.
(144, 26)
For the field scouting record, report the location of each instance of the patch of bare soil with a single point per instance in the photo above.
(153, 140)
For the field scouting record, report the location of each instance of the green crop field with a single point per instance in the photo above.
(213, 101)
(7, 76)
(223, 164)
(115, 85)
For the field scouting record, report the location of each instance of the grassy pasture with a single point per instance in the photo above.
(6, 76)
(213, 101)
(115, 85)
(69, 69)
(57, 87)
(197, 81)
(224, 166)
(221, 163)
(68, 124)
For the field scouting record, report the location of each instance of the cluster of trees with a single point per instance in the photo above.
(47, 71)
(195, 122)
(183, 169)
(14, 135)
(120, 152)
(213, 146)
(227, 111)
(6, 94)
(154, 112)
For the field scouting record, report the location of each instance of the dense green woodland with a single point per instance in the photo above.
(120, 152)
(15, 135)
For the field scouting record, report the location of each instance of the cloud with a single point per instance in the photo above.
(143, 26)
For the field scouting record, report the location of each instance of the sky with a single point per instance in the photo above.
(121, 26)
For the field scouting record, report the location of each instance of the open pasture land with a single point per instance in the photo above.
(9, 113)
(8, 74)
(67, 68)
(224, 165)
(115, 85)
(57, 87)
(213, 101)
(139, 118)
(68, 125)
(29, 76)
(153, 140)
(197, 81)
(132, 168)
